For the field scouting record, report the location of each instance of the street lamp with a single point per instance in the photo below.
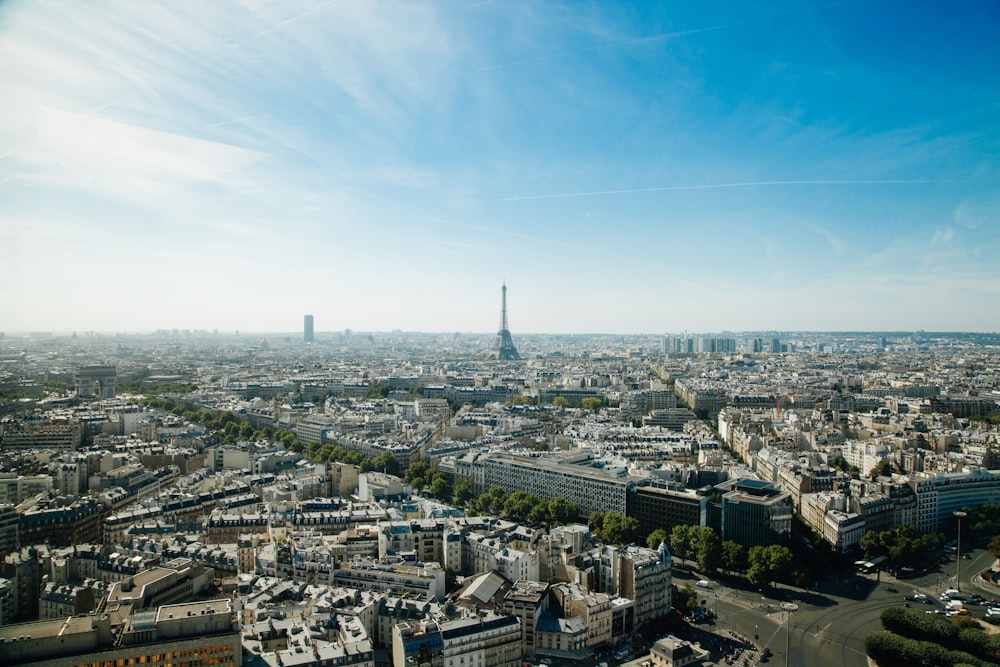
(788, 632)
(958, 573)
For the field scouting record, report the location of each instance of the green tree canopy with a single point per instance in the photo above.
(682, 539)
(613, 528)
(734, 556)
(461, 492)
(708, 549)
(765, 564)
(657, 536)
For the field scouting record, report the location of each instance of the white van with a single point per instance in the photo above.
(704, 583)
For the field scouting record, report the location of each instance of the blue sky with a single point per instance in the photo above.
(625, 167)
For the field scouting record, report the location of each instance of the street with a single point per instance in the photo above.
(829, 626)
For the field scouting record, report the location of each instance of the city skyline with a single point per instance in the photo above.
(387, 166)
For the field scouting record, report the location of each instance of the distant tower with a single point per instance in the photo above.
(505, 344)
(307, 329)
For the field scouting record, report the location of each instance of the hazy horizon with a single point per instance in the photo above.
(624, 168)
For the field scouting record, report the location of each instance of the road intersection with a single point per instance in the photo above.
(827, 627)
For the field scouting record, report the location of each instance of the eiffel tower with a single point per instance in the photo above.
(505, 344)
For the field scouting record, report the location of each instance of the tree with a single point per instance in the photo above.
(707, 549)
(613, 528)
(461, 492)
(562, 511)
(441, 487)
(519, 505)
(496, 497)
(657, 536)
(539, 513)
(385, 462)
(225, 418)
(417, 468)
(560, 402)
(994, 546)
(757, 572)
(681, 539)
(685, 599)
(734, 556)
(987, 521)
(883, 468)
(591, 403)
(765, 563)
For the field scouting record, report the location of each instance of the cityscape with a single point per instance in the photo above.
(393, 498)
(462, 333)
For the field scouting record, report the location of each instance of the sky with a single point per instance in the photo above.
(623, 167)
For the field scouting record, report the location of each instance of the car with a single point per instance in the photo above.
(789, 606)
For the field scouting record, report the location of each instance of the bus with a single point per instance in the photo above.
(869, 566)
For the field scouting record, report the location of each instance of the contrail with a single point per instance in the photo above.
(281, 24)
(614, 45)
(712, 186)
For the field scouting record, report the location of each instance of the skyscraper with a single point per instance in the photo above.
(307, 332)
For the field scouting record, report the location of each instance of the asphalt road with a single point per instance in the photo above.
(829, 626)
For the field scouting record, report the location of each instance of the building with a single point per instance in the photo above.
(15, 488)
(78, 522)
(484, 640)
(528, 601)
(45, 436)
(657, 507)
(645, 576)
(195, 634)
(9, 525)
(755, 512)
(939, 496)
(593, 609)
(425, 581)
(307, 329)
(421, 538)
(593, 489)
(673, 652)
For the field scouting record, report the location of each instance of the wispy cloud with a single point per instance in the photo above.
(603, 47)
(834, 241)
(137, 157)
(714, 186)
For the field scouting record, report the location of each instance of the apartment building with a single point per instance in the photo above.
(569, 477)
(195, 634)
(485, 640)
